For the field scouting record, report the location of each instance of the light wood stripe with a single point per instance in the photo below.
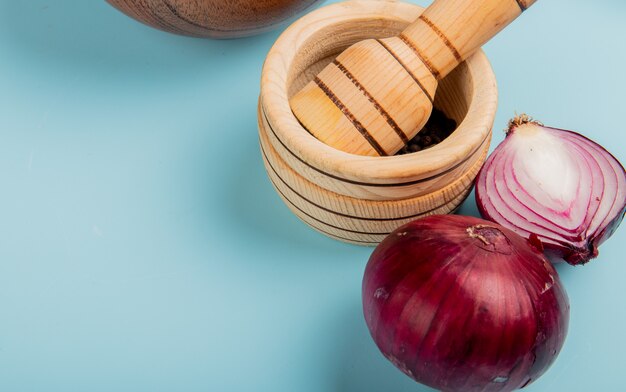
(419, 54)
(282, 180)
(421, 86)
(319, 220)
(297, 210)
(443, 37)
(373, 101)
(331, 235)
(346, 112)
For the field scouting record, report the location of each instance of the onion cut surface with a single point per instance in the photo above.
(555, 185)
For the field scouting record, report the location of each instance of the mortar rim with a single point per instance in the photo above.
(384, 170)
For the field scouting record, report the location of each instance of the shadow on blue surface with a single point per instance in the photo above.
(95, 36)
(360, 366)
(252, 208)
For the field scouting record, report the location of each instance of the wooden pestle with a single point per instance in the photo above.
(378, 94)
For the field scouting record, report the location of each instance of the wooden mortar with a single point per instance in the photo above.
(357, 198)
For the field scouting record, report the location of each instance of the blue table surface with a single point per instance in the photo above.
(142, 247)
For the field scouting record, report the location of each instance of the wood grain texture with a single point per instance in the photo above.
(361, 199)
(212, 18)
(468, 95)
(450, 30)
(329, 210)
(378, 94)
(371, 190)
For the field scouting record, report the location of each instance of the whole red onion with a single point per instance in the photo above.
(554, 185)
(462, 304)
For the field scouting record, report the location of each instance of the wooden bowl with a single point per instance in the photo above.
(356, 198)
(213, 18)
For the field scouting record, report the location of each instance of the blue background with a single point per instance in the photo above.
(142, 247)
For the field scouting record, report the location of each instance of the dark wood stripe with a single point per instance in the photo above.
(282, 180)
(177, 14)
(346, 112)
(384, 45)
(335, 236)
(152, 16)
(319, 220)
(522, 5)
(419, 54)
(373, 101)
(374, 185)
(306, 5)
(443, 37)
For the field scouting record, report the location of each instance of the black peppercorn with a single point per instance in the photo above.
(437, 128)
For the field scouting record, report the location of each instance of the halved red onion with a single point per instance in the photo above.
(556, 185)
(462, 304)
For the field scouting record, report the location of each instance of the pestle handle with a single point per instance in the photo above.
(449, 31)
(378, 94)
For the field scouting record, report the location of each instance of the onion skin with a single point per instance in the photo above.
(570, 231)
(462, 304)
